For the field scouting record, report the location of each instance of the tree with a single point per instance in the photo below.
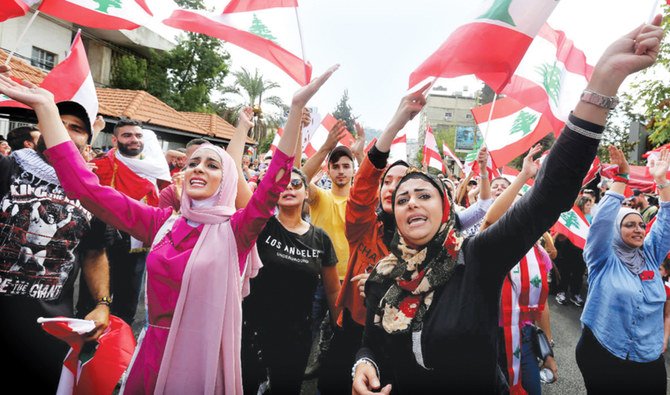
(343, 112)
(129, 72)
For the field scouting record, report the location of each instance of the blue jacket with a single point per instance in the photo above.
(624, 312)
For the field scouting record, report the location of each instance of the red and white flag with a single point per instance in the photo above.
(100, 14)
(13, 8)
(431, 156)
(551, 77)
(472, 166)
(652, 156)
(511, 174)
(449, 153)
(573, 225)
(94, 367)
(275, 142)
(491, 46)
(512, 130)
(321, 134)
(398, 147)
(70, 80)
(593, 171)
(267, 28)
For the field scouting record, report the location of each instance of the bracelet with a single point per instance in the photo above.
(106, 300)
(617, 178)
(582, 131)
(663, 184)
(623, 175)
(602, 101)
(361, 361)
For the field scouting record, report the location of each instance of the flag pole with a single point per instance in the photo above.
(302, 42)
(25, 30)
(488, 124)
(653, 11)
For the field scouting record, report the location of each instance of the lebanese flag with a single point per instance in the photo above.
(100, 14)
(70, 80)
(321, 134)
(512, 130)
(398, 147)
(275, 142)
(511, 174)
(449, 153)
(491, 46)
(551, 77)
(93, 367)
(12, 9)
(267, 28)
(431, 156)
(573, 225)
(472, 166)
(593, 171)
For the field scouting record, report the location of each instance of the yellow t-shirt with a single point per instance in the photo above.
(327, 212)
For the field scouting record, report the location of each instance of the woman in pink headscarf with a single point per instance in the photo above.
(200, 261)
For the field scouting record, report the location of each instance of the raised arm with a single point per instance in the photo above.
(313, 164)
(560, 178)
(658, 240)
(236, 151)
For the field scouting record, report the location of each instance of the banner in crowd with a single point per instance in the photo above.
(491, 46)
(431, 156)
(512, 130)
(573, 225)
(70, 80)
(551, 77)
(267, 28)
(112, 15)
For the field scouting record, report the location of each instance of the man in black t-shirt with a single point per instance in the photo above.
(43, 237)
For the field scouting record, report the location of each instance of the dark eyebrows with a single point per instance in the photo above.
(415, 190)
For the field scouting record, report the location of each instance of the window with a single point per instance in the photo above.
(448, 115)
(468, 116)
(43, 59)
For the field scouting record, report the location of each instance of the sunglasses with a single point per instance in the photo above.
(296, 183)
(262, 166)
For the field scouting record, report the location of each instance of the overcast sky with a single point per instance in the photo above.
(380, 42)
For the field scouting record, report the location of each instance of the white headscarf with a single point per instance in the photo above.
(632, 257)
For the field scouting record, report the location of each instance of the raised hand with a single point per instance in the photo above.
(358, 146)
(366, 381)
(659, 167)
(245, 118)
(335, 134)
(409, 107)
(531, 166)
(482, 158)
(618, 158)
(26, 93)
(306, 118)
(304, 94)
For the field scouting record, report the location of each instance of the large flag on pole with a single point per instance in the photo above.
(431, 156)
(12, 9)
(398, 147)
(551, 77)
(573, 225)
(491, 46)
(70, 80)
(512, 129)
(267, 28)
(100, 14)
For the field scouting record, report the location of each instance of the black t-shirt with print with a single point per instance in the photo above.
(284, 288)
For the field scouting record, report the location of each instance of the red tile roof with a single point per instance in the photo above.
(22, 70)
(214, 125)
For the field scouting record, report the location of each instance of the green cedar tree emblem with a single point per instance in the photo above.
(516, 269)
(523, 123)
(536, 281)
(525, 188)
(499, 11)
(551, 80)
(103, 5)
(517, 352)
(570, 219)
(258, 28)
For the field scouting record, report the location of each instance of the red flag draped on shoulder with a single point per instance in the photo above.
(100, 14)
(431, 156)
(267, 28)
(512, 129)
(70, 80)
(12, 9)
(489, 47)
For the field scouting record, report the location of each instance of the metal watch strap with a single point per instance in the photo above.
(608, 102)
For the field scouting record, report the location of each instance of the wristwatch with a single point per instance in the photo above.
(106, 300)
(608, 102)
(663, 184)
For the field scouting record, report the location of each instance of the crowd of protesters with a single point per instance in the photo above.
(401, 280)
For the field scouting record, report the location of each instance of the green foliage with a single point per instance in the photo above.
(343, 112)
(487, 95)
(616, 132)
(264, 145)
(129, 72)
(649, 98)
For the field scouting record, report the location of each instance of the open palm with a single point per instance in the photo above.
(659, 167)
(28, 94)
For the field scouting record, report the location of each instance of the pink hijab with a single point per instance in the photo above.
(209, 306)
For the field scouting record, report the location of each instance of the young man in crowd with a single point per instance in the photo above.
(640, 202)
(23, 137)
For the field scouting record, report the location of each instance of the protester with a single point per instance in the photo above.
(44, 239)
(524, 296)
(170, 196)
(23, 137)
(5, 149)
(639, 202)
(431, 321)
(620, 350)
(664, 270)
(192, 255)
(296, 256)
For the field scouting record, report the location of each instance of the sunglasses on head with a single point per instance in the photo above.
(296, 183)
